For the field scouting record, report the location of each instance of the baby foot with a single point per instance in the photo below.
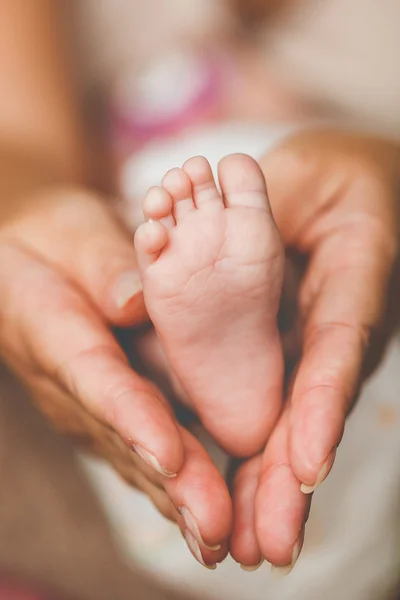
(212, 268)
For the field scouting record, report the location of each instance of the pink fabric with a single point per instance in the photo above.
(130, 126)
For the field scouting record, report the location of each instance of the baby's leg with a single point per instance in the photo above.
(212, 270)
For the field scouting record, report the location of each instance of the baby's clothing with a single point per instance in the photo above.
(334, 53)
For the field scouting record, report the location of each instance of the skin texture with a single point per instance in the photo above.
(61, 242)
(333, 196)
(58, 339)
(212, 270)
(73, 286)
(62, 253)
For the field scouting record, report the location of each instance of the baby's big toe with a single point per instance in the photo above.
(242, 182)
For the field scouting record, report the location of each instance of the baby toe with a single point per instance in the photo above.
(177, 183)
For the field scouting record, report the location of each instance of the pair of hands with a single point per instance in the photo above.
(68, 276)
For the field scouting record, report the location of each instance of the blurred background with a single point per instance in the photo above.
(159, 81)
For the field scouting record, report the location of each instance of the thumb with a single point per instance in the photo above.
(77, 231)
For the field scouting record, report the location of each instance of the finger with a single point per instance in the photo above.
(202, 499)
(339, 210)
(195, 499)
(341, 315)
(244, 546)
(280, 509)
(142, 478)
(50, 327)
(84, 238)
(312, 175)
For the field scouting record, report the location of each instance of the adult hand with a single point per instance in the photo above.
(334, 199)
(67, 275)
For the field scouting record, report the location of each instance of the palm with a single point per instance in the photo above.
(333, 197)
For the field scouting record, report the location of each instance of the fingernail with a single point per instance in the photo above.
(192, 526)
(323, 473)
(126, 287)
(195, 550)
(151, 460)
(252, 567)
(279, 572)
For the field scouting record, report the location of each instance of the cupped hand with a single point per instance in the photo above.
(67, 277)
(334, 199)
